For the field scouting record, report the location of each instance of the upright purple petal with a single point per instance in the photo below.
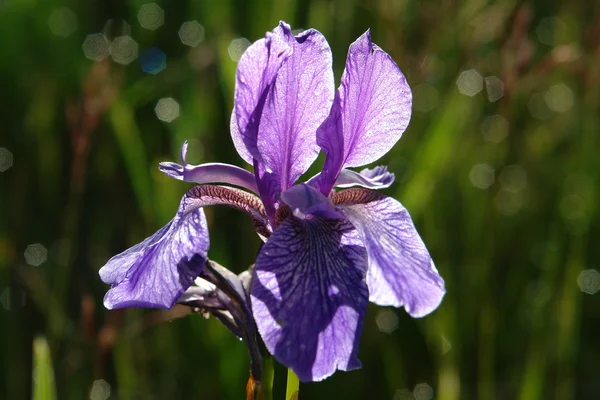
(309, 297)
(371, 110)
(401, 271)
(268, 188)
(157, 271)
(256, 71)
(297, 103)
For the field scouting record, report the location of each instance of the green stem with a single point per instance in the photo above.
(293, 386)
(268, 374)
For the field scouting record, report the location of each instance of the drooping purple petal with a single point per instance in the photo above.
(305, 200)
(401, 271)
(256, 71)
(157, 271)
(309, 296)
(297, 103)
(371, 110)
(209, 173)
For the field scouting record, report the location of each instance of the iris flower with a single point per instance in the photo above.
(327, 252)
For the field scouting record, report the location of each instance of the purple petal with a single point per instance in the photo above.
(309, 296)
(297, 103)
(268, 188)
(209, 195)
(157, 271)
(256, 72)
(376, 178)
(401, 272)
(305, 200)
(371, 110)
(209, 173)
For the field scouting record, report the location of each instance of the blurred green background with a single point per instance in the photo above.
(499, 168)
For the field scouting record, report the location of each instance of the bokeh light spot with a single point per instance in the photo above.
(566, 53)
(403, 394)
(153, 61)
(36, 254)
(124, 50)
(494, 87)
(62, 22)
(96, 47)
(100, 390)
(559, 98)
(513, 178)
(508, 203)
(494, 129)
(423, 392)
(151, 16)
(572, 207)
(200, 57)
(237, 47)
(387, 321)
(589, 281)
(6, 159)
(167, 109)
(425, 97)
(191, 33)
(470, 82)
(482, 176)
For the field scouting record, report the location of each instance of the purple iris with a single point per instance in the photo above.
(326, 252)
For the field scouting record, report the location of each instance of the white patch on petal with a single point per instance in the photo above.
(204, 284)
(269, 280)
(333, 290)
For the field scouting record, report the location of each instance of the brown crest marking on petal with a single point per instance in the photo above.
(210, 195)
(356, 196)
(282, 213)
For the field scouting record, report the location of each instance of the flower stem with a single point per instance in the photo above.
(293, 386)
(268, 375)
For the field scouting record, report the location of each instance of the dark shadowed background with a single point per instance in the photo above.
(499, 169)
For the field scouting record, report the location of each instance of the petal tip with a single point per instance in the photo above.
(172, 169)
(368, 34)
(426, 309)
(284, 29)
(363, 44)
(108, 304)
(184, 149)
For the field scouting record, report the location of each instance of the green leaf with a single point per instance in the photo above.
(43, 374)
